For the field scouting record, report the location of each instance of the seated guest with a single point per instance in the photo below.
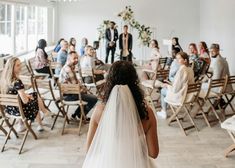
(83, 45)
(174, 66)
(68, 75)
(41, 63)
(175, 43)
(195, 61)
(58, 47)
(174, 92)
(31, 103)
(204, 52)
(87, 62)
(62, 56)
(72, 44)
(219, 65)
(99, 64)
(154, 58)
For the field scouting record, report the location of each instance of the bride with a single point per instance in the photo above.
(123, 130)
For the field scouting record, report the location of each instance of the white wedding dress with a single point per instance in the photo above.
(119, 141)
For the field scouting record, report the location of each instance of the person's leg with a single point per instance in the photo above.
(162, 113)
(112, 54)
(130, 57)
(45, 70)
(42, 107)
(91, 101)
(107, 55)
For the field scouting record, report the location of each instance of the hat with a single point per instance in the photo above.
(215, 46)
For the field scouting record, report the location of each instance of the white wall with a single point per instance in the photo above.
(176, 18)
(217, 24)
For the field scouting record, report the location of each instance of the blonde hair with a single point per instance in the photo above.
(8, 76)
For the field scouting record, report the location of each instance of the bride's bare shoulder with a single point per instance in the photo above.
(99, 108)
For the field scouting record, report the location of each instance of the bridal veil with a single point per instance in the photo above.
(119, 141)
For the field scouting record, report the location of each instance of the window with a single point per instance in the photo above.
(42, 23)
(5, 28)
(20, 42)
(32, 28)
(21, 26)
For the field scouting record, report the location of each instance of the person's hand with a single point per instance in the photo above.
(30, 97)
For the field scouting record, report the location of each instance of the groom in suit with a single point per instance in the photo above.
(111, 36)
(125, 45)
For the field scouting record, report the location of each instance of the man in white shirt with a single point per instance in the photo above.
(111, 36)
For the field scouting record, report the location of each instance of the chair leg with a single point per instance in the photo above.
(29, 128)
(203, 113)
(23, 141)
(8, 135)
(65, 119)
(214, 111)
(2, 129)
(9, 126)
(62, 133)
(229, 150)
(82, 115)
(190, 118)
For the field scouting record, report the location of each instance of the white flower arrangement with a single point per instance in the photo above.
(126, 14)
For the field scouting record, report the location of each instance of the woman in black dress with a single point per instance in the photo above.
(31, 103)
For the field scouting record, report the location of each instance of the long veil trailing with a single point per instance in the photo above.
(119, 141)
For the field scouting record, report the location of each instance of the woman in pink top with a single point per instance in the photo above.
(41, 63)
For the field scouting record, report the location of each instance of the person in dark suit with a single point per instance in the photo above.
(111, 36)
(125, 45)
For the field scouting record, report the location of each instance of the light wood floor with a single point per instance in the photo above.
(51, 150)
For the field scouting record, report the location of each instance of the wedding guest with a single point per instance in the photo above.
(99, 64)
(111, 36)
(58, 47)
(204, 52)
(72, 44)
(175, 43)
(88, 62)
(41, 64)
(173, 92)
(174, 67)
(125, 45)
(154, 58)
(31, 103)
(62, 56)
(83, 45)
(219, 65)
(68, 75)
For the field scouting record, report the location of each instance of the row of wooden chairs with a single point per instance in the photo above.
(196, 95)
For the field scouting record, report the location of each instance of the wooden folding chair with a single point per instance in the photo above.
(162, 63)
(190, 100)
(229, 125)
(51, 96)
(66, 89)
(151, 85)
(24, 69)
(52, 66)
(212, 96)
(229, 95)
(14, 100)
(99, 85)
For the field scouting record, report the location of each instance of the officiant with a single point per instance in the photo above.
(125, 45)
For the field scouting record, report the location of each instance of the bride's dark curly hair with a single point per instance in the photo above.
(124, 73)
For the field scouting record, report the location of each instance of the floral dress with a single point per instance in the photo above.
(30, 109)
